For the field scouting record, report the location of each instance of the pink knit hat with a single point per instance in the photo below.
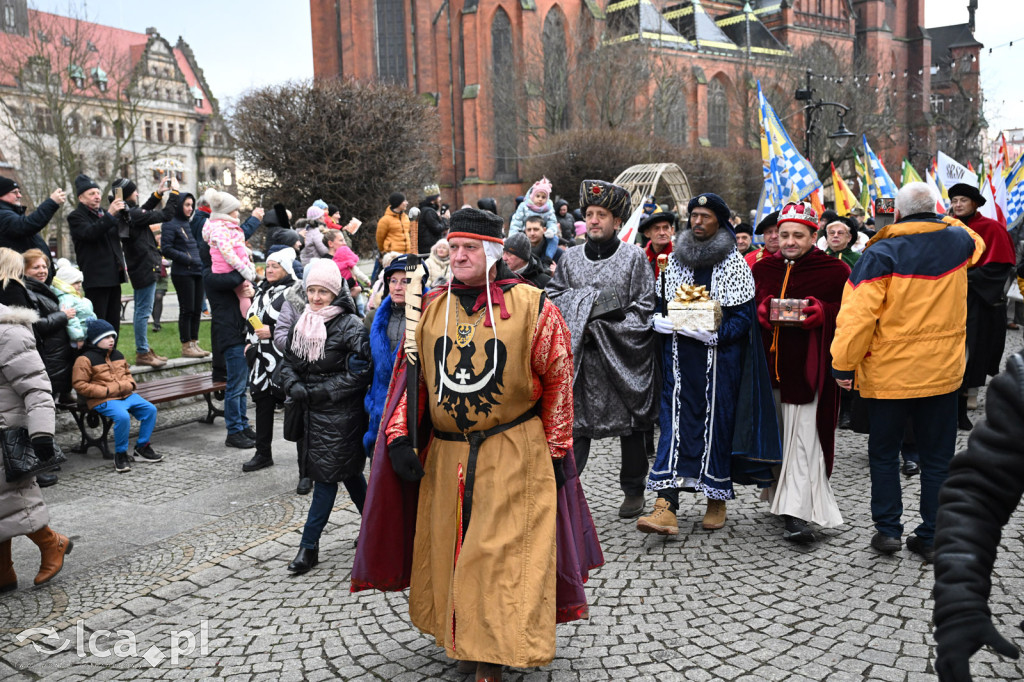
(542, 184)
(314, 213)
(324, 273)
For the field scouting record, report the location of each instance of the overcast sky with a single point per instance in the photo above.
(241, 45)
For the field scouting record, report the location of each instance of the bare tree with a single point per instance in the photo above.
(349, 143)
(72, 104)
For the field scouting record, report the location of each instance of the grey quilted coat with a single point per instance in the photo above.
(25, 400)
(333, 446)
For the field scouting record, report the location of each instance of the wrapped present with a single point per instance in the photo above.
(787, 311)
(693, 308)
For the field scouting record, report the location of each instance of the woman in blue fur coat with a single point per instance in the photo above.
(387, 330)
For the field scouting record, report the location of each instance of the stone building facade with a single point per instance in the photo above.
(114, 102)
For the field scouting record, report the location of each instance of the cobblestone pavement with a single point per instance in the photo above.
(192, 548)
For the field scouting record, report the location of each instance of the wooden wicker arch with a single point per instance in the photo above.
(660, 179)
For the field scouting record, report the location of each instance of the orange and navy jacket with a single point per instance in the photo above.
(901, 330)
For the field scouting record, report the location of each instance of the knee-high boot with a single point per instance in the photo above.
(53, 546)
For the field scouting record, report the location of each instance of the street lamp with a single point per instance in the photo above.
(812, 111)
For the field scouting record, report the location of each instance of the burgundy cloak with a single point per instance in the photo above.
(803, 358)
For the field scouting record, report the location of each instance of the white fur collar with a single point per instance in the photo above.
(18, 315)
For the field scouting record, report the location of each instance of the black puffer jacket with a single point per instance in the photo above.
(984, 486)
(432, 226)
(141, 254)
(334, 430)
(566, 223)
(97, 247)
(52, 340)
(178, 244)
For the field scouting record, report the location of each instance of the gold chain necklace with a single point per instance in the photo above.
(465, 331)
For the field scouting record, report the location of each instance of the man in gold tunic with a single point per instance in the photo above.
(497, 388)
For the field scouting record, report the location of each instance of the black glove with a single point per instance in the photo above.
(43, 447)
(959, 639)
(557, 463)
(298, 392)
(404, 460)
(319, 395)
(356, 364)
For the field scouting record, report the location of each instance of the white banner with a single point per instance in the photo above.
(950, 173)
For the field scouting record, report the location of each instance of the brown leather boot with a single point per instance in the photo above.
(195, 346)
(714, 517)
(8, 578)
(488, 672)
(149, 359)
(53, 546)
(188, 350)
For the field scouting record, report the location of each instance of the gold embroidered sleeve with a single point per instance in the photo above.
(552, 375)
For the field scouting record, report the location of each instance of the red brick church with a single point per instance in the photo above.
(468, 58)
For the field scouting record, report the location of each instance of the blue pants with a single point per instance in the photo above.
(143, 308)
(551, 248)
(322, 503)
(121, 412)
(234, 394)
(934, 420)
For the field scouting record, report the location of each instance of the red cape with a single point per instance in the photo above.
(998, 245)
(803, 356)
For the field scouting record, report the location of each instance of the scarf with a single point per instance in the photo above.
(497, 295)
(309, 337)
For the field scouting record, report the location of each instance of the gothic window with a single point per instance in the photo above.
(159, 132)
(391, 39)
(504, 95)
(718, 115)
(213, 173)
(181, 133)
(669, 113)
(148, 130)
(556, 76)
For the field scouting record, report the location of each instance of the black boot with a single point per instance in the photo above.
(305, 560)
(46, 479)
(304, 486)
(261, 460)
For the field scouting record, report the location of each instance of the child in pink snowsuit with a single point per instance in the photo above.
(228, 252)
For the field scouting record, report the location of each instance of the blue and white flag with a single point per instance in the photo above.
(788, 176)
(880, 183)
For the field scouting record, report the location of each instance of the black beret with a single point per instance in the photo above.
(962, 189)
(770, 220)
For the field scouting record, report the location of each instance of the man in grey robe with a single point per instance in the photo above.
(605, 291)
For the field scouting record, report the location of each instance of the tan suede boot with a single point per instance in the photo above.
(195, 346)
(188, 350)
(8, 578)
(149, 359)
(53, 546)
(662, 520)
(714, 517)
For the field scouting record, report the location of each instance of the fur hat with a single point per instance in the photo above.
(713, 203)
(395, 200)
(285, 258)
(98, 329)
(472, 223)
(518, 245)
(962, 189)
(69, 274)
(799, 212)
(606, 195)
(221, 203)
(322, 272)
(8, 185)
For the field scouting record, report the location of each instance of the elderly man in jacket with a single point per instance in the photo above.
(94, 232)
(19, 231)
(900, 336)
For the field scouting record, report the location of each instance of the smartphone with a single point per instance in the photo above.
(255, 322)
(119, 194)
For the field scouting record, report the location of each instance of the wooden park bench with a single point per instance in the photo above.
(94, 428)
(125, 300)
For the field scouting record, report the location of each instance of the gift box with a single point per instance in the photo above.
(787, 311)
(703, 315)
